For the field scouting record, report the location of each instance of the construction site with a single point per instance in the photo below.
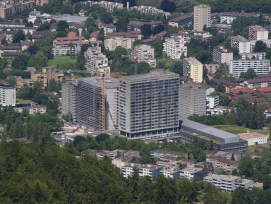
(92, 106)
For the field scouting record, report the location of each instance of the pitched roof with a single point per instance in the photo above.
(258, 80)
(71, 36)
(53, 26)
(264, 89)
(93, 35)
(154, 23)
(27, 43)
(238, 80)
(2, 37)
(179, 18)
(11, 53)
(226, 82)
(244, 90)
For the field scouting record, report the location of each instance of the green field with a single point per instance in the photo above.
(60, 60)
(23, 101)
(9, 61)
(239, 129)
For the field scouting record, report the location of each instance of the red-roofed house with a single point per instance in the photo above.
(242, 91)
(264, 90)
(93, 36)
(61, 45)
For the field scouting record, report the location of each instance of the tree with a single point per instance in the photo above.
(18, 36)
(77, 7)
(71, 46)
(260, 46)
(3, 62)
(158, 29)
(146, 30)
(232, 157)
(235, 51)
(62, 25)
(41, 59)
(107, 17)
(47, 51)
(249, 74)
(168, 6)
(100, 35)
(61, 34)
(220, 88)
(20, 62)
(67, 9)
(266, 181)
(46, 39)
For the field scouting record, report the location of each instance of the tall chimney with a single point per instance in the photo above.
(127, 5)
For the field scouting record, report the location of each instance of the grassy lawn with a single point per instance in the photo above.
(60, 60)
(23, 101)
(239, 129)
(9, 61)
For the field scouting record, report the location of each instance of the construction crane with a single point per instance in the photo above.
(135, 60)
(103, 102)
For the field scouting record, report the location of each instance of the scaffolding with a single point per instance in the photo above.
(90, 102)
(69, 99)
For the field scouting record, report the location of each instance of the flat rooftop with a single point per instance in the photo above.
(141, 166)
(258, 28)
(192, 60)
(240, 38)
(110, 82)
(257, 184)
(207, 131)
(71, 19)
(247, 136)
(191, 169)
(222, 177)
(153, 74)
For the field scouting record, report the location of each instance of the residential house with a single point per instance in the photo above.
(223, 163)
(191, 173)
(121, 161)
(241, 91)
(159, 153)
(180, 21)
(33, 110)
(83, 12)
(228, 84)
(111, 154)
(143, 170)
(26, 44)
(252, 155)
(170, 174)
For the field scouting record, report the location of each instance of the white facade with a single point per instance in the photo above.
(241, 43)
(225, 182)
(209, 91)
(257, 33)
(143, 170)
(33, 109)
(239, 66)
(222, 55)
(7, 95)
(96, 61)
(112, 43)
(109, 6)
(174, 47)
(171, 174)
(218, 110)
(254, 138)
(150, 9)
(191, 173)
(212, 101)
(253, 55)
(144, 53)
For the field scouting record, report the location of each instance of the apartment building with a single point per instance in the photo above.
(7, 94)
(211, 102)
(229, 182)
(257, 32)
(193, 68)
(109, 6)
(148, 105)
(254, 138)
(89, 103)
(46, 75)
(33, 110)
(202, 16)
(69, 99)
(61, 44)
(228, 17)
(174, 47)
(170, 174)
(253, 55)
(180, 21)
(219, 110)
(241, 43)
(96, 62)
(12, 7)
(121, 161)
(159, 153)
(111, 154)
(191, 173)
(112, 43)
(257, 83)
(143, 170)
(239, 66)
(224, 182)
(223, 163)
(150, 9)
(227, 84)
(192, 99)
(211, 68)
(222, 55)
(144, 53)
(136, 35)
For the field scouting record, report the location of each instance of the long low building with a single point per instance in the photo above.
(207, 131)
